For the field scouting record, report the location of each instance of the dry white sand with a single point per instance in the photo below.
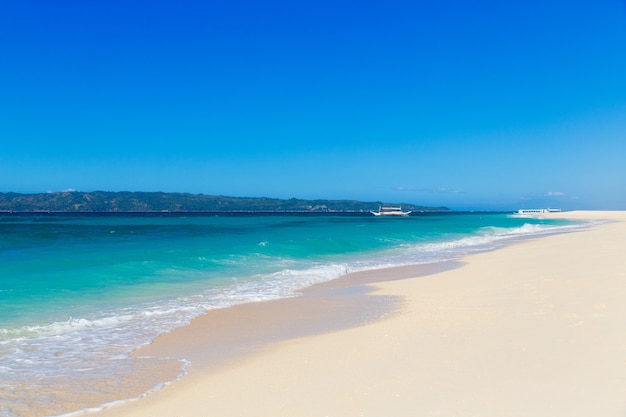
(535, 329)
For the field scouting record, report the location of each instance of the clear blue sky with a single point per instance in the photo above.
(470, 104)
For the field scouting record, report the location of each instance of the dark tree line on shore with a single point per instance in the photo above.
(125, 201)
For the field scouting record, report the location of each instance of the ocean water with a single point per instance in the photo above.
(79, 293)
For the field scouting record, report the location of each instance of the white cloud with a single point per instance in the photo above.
(554, 194)
(448, 191)
(403, 188)
(440, 190)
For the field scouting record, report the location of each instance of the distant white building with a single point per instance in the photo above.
(537, 211)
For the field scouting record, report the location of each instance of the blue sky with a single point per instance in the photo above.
(473, 105)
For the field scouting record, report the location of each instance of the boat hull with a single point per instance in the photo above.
(390, 212)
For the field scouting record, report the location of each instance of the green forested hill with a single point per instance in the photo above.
(103, 201)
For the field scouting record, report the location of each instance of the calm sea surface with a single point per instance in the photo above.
(79, 293)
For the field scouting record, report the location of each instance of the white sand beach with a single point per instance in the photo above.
(537, 328)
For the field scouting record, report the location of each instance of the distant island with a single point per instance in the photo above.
(159, 202)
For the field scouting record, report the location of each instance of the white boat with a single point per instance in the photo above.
(390, 211)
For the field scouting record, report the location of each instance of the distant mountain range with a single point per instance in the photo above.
(153, 202)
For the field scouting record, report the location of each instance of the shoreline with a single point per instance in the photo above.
(222, 336)
(258, 370)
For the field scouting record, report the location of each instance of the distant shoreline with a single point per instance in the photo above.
(200, 213)
(160, 202)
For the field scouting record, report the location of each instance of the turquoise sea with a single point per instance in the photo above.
(79, 293)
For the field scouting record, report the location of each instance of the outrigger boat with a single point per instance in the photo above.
(390, 211)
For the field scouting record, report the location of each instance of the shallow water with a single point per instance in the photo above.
(79, 293)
